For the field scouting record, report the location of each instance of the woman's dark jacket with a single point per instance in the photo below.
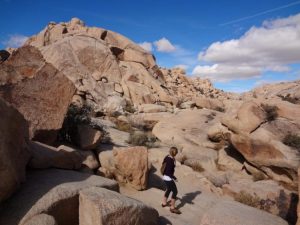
(170, 167)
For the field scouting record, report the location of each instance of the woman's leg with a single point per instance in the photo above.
(167, 192)
(174, 194)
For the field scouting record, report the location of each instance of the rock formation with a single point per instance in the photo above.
(89, 99)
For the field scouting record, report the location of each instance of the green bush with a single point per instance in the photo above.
(75, 115)
(139, 138)
(271, 111)
(292, 140)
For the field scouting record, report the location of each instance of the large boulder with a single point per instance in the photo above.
(261, 149)
(14, 153)
(233, 213)
(249, 116)
(270, 196)
(88, 137)
(45, 156)
(99, 206)
(127, 165)
(52, 191)
(41, 219)
(38, 90)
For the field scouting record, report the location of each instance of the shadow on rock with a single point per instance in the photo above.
(164, 221)
(155, 181)
(188, 198)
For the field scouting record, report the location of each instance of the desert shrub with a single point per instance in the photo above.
(290, 99)
(197, 167)
(247, 199)
(271, 111)
(139, 138)
(258, 176)
(194, 164)
(292, 140)
(123, 126)
(220, 109)
(129, 107)
(75, 116)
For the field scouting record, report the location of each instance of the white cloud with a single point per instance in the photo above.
(164, 45)
(147, 46)
(271, 47)
(15, 41)
(223, 73)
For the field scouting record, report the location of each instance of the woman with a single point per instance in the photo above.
(169, 178)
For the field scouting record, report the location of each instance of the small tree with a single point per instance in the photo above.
(75, 116)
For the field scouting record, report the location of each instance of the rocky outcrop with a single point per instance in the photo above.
(4, 55)
(267, 195)
(99, 206)
(53, 192)
(44, 156)
(88, 138)
(14, 153)
(41, 219)
(126, 165)
(38, 90)
(232, 213)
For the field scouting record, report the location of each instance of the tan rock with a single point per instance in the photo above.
(298, 208)
(229, 160)
(209, 103)
(271, 197)
(99, 206)
(53, 192)
(14, 153)
(249, 116)
(129, 165)
(263, 150)
(89, 159)
(88, 138)
(151, 108)
(41, 219)
(44, 156)
(36, 98)
(233, 213)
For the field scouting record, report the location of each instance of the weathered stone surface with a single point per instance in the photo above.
(53, 192)
(209, 103)
(14, 153)
(271, 196)
(38, 90)
(88, 138)
(45, 156)
(41, 219)
(187, 130)
(233, 213)
(4, 55)
(249, 116)
(298, 208)
(88, 158)
(99, 206)
(151, 108)
(229, 160)
(128, 165)
(273, 157)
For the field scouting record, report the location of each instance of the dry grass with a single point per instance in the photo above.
(292, 140)
(247, 199)
(271, 111)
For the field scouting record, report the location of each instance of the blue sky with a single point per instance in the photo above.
(238, 44)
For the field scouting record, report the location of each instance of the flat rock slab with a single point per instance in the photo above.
(99, 206)
(50, 191)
